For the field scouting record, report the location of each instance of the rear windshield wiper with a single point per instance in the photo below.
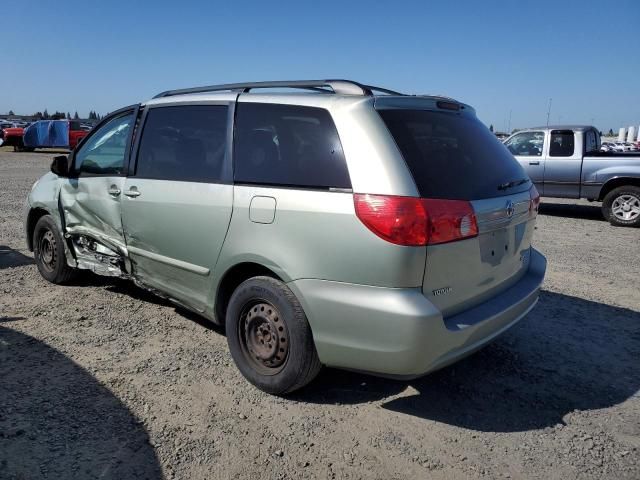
(512, 183)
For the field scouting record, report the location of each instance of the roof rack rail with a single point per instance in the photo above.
(348, 87)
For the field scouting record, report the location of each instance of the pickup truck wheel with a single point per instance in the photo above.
(48, 250)
(621, 206)
(269, 337)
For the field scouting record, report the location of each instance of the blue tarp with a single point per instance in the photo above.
(47, 133)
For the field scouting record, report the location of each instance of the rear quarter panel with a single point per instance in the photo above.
(316, 234)
(597, 171)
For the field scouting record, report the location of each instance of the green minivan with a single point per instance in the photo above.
(322, 222)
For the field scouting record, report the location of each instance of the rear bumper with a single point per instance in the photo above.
(397, 332)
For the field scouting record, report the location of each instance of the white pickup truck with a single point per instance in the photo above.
(566, 162)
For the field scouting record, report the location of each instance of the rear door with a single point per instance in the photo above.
(91, 196)
(564, 165)
(453, 156)
(177, 200)
(528, 148)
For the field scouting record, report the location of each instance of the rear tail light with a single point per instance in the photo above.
(411, 221)
(534, 200)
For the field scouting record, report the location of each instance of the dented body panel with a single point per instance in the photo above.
(90, 210)
(174, 233)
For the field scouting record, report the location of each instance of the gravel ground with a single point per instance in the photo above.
(101, 379)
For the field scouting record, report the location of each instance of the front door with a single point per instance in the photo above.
(90, 197)
(527, 147)
(178, 199)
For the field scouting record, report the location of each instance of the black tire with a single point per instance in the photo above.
(619, 199)
(48, 250)
(269, 336)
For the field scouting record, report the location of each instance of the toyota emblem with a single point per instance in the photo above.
(510, 209)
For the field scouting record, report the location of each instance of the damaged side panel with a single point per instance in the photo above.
(94, 256)
(91, 211)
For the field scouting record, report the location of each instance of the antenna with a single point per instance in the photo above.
(549, 111)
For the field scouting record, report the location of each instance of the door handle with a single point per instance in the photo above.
(113, 191)
(534, 163)
(132, 192)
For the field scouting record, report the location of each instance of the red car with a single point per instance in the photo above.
(68, 135)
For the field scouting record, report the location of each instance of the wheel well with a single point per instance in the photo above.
(230, 281)
(34, 215)
(618, 182)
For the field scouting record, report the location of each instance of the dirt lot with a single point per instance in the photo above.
(102, 380)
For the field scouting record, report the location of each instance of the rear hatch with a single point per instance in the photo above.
(453, 156)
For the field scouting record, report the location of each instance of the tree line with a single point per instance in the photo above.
(93, 115)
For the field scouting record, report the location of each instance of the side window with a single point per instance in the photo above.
(184, 143)
(526, 144)
(288, 145)
(562, 143)
(590, 142)
(104, 152)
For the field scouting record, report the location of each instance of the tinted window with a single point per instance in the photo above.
(288, 145)
(562, 143)
(591, 142)
(528, 144)
(103, 153)
(183, 143)
(452, 156)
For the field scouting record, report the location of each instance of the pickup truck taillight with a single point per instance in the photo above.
(534, 201)
(411, 221)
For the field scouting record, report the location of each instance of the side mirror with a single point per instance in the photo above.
(60, 165)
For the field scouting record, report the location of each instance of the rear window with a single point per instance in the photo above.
(451, 156)
(562, 143)
(287, 145)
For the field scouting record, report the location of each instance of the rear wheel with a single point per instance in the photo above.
(48, 250)
(621, 206)
(269, 337)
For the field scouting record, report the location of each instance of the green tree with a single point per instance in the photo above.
(11, 112)
(491, 128)
(45, 114)
(75, 116)
(68, 116)
(611, 132)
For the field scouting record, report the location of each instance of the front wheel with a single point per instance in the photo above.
(621, 206)
(269, 337)
(48, 250)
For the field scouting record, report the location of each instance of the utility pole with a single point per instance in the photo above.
(509, 127)
(549, 111)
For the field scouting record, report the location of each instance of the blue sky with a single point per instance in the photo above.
(498, 56)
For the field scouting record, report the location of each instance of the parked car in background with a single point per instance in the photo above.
(13, 137)
(382, 233)
(45, 134)
(566, 162)
(607, 147)
(622, 147)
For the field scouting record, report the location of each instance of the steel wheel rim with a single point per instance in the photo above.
(264, 337)
(47, 250)
(626, 207)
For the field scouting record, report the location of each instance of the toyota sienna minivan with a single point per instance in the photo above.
(322, 222)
